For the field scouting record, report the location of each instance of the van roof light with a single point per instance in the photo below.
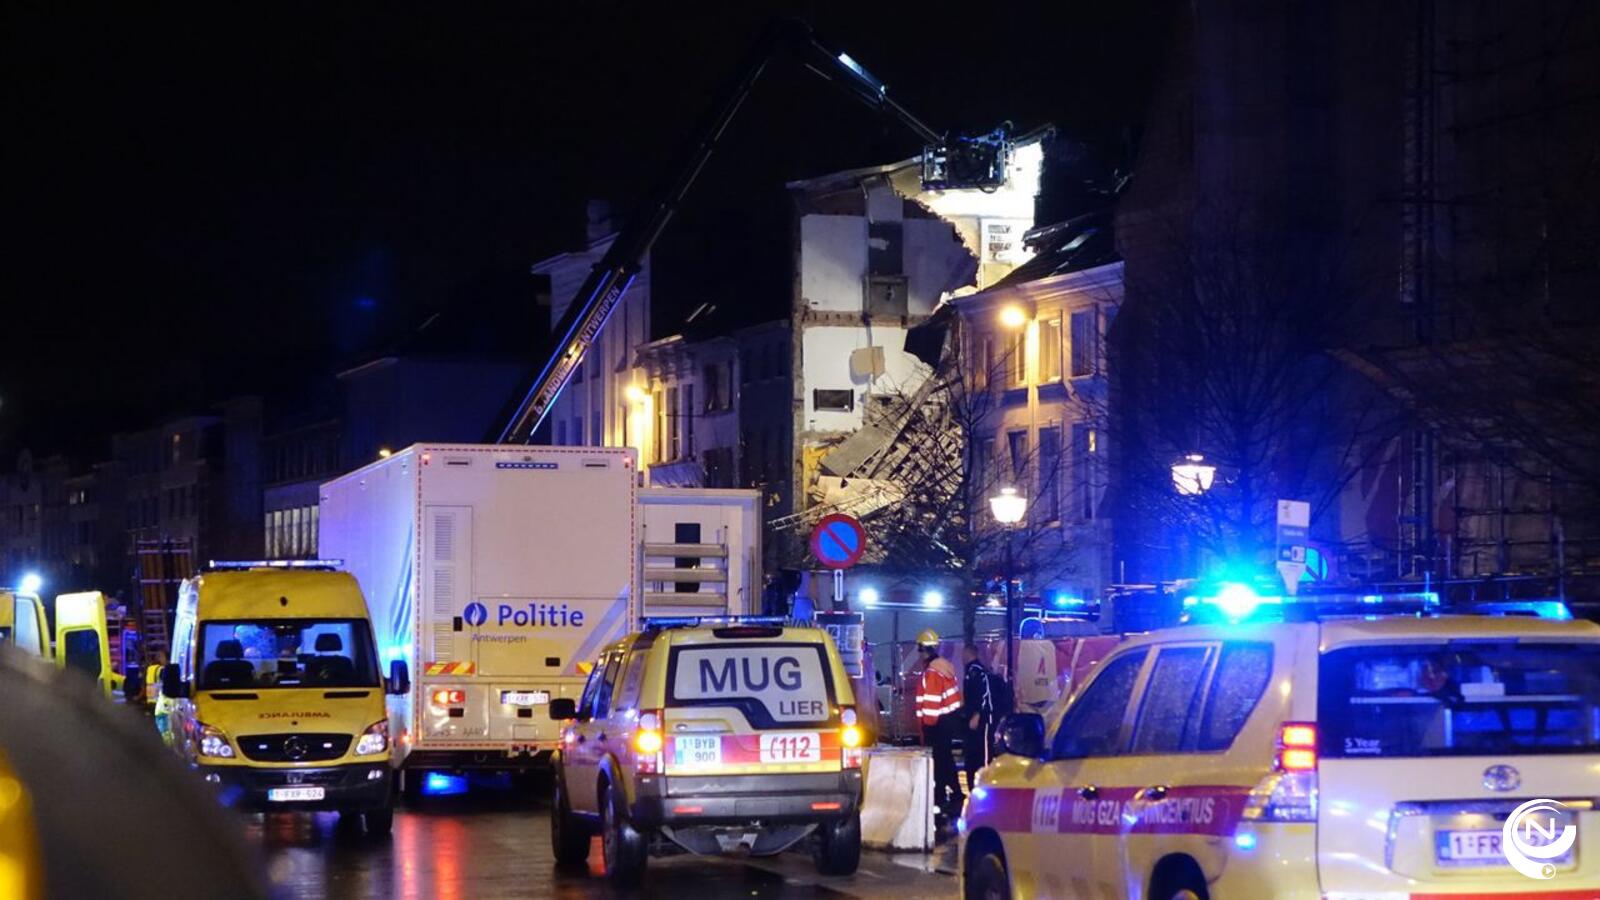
(234, 564)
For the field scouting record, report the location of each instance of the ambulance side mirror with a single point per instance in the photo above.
(1022, 734)
(399, 681)
(172, 683)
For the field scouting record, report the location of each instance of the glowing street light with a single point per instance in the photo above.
(932, 599)
(1008, 506)
(1192, 475)
(1013, 316)
(869, 597)
(634, 394)
(31, 583)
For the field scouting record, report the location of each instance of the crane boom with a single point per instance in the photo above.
(965, 161)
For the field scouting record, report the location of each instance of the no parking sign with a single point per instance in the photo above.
(838, 541)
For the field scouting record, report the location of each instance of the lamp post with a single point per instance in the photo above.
(1008, 508)
(1192, 476)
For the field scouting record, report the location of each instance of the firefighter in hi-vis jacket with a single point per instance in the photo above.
(938, 705)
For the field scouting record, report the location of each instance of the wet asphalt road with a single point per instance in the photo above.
(489, 846)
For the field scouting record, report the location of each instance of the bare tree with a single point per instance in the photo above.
(1223, 349)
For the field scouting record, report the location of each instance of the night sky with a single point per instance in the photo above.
(205, 201)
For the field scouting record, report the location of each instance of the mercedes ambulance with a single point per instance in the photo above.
(1327, 755)
(278, 696)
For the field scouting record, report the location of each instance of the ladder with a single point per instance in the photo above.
(163, 565)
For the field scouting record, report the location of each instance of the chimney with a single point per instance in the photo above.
(599, 220)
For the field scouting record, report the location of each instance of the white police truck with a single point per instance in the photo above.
(498, 572)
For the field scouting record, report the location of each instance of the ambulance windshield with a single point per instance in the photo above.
(286, 653)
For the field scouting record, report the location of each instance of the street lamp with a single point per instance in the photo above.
(1013, 316)
(1008, 508)
(1192, 475)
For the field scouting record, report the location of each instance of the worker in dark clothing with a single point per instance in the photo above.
(938, 711)
(977, 714)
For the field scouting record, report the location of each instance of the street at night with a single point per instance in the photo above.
(488, 847)
(1115, 449)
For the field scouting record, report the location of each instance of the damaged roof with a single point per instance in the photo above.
(1081, 242)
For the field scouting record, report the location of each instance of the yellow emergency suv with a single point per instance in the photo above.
(277, 695)
(710, 736)
(1306, 751)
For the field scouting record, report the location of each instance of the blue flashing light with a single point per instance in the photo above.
(443, 784)
(1062, 601)
(961, 825)
(1245, 840)
(870, 597)
(980, 792)
(1236, 601)
(30, 583)
(932, 599)
(1372, 598)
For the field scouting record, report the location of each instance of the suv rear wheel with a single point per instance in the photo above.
(1178, 878)
(624, 847)
(569, 840)
(838, 849)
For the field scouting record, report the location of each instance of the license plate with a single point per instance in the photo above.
(694, 751)
(524, 698)
(791, 746)
(1477, 848)
(290, 794)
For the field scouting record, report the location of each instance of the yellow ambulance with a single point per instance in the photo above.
(23, 623)
(1340, 754)
(82, 639)
(278, 697)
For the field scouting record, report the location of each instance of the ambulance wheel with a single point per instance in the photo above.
(379, 822)
(624, 847)
(568, 838)
(838, 848)
(411, 787)
(1178, 878)
(987, 878)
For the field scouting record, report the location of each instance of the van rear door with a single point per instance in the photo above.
(741, 707)
(1428, 747)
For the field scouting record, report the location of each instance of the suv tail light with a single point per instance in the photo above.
(851, 738)
(1297, 747)
(647, 743)
(1289, 794)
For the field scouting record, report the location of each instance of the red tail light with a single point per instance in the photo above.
(449, 697)
(648, 742)
(1297, 747)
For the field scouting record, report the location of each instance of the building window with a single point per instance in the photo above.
(1017, 358)
(674, 435)
(1050, 350)
(1083, 470)
(1017, 448)
(689, 414)
(1085, 343)
(835, 401)
(1049, 502)
(658, 443)
(718, 395)
(270, 550)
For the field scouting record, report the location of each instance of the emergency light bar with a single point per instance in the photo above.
(664, 622)
(235, 564)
